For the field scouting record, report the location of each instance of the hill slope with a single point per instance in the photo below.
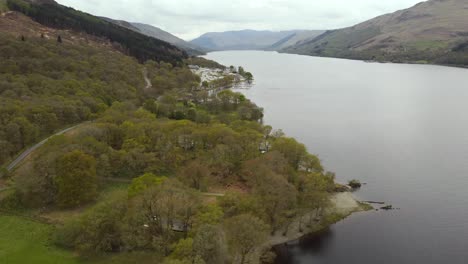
(435, 31)
(158, 33)
(296, 38)
(245, 39)
(140, 46)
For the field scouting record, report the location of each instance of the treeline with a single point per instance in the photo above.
(457, 56)
(126, 143)
(165, 77)
(134, 44)
(205, 63)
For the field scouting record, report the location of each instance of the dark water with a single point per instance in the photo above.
(403, 129)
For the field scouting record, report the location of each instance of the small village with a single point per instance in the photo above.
(216, 80)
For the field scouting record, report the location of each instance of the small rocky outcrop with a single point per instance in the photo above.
(355, 184)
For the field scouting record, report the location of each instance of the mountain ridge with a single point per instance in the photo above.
(158, 33)
(248, 39)
(434, 31)
(155, 32)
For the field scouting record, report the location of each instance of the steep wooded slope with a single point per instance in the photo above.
(138, 45)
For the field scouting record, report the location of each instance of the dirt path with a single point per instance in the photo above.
(149, 85)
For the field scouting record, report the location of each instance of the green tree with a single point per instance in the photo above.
(195, 174)
(100, 229)
(210, 214)
(277, 198)
(292, 150)
(313, 195)
(248, 76)
(209, 243)
(244, 234)
(140, 184)
(183, 250)
(76, 179)
(157, 212)
(241, 70)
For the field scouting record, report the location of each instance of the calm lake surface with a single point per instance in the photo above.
(402, 129)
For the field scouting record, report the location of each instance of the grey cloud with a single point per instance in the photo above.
(188, 18)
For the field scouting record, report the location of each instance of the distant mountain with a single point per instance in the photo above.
(158, 33)
(435, 31)
(247, 39)
(138, 45)
(296, 38)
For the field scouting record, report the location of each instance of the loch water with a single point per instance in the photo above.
(402, 129)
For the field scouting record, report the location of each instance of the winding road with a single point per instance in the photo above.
(27, 152)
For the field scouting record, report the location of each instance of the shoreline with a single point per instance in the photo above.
(429, 63)
(343, 205)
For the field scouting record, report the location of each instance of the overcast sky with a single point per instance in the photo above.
(189, 19)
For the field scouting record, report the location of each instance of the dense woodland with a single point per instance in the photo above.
(169, 144)
(46, 85)
(170, 162)
(134, 44)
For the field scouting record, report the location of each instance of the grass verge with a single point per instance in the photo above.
(25, 241)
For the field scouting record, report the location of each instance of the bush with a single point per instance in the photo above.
(76, 179)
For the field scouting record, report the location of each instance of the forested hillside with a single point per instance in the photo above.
(134, 44)
(166, 171)
(46, 84)
(170, 151)
(165, 145)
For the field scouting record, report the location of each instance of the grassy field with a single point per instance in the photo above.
(428, 44)
(25, 241)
